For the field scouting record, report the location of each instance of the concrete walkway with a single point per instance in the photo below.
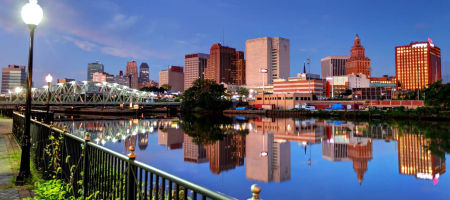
(7, 145)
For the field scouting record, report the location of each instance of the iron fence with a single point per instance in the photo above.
(92, 169)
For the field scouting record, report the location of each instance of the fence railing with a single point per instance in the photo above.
(94, 170)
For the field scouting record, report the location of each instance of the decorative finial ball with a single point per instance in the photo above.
(255, 189)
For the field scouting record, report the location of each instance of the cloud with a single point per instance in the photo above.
(82, 44)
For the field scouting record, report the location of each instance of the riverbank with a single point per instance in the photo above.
(418, 114)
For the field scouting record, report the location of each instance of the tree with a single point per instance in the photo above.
(205, 96)
(242, 92)
(150, 89)
(166, 87)
(437, 95)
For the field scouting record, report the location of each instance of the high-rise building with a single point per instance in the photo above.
(194, 68)
(358, 62)
(121, 79)
(144, 73)
(172, 76)
(172, 138)
(13, 76)
(417, 65)
(333, 65)
(94, 67)
(132, 73)
(267, 53)
(225, 65)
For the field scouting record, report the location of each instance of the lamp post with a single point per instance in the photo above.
(263, 71)
(48, 79)
(32, 15)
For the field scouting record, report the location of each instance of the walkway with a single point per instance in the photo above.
(7, 146)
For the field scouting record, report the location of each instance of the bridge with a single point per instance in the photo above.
(84, 93)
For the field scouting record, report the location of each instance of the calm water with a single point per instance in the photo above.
(289, 158)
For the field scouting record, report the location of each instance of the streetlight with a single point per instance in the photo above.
(32, 15)
(263, 71)
(49, 80)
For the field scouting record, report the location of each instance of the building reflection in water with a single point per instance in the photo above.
(172, 138)
(266, 147)
(344, 143)
(267, 159)
(415, 159)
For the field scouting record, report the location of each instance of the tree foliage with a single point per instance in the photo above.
(166, 87)
(437, 95)
(204, 95)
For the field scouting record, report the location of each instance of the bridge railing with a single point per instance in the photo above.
(93, 170)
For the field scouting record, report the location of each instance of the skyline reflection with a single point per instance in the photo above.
(264, 144)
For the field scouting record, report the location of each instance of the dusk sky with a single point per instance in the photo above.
(160, 32)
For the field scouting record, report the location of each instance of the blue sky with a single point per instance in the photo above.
(160, 32)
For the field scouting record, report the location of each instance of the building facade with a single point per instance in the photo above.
(337, 85)
(282, 101)
(13, 76)
(333, 65)
(223, 64)
(151, 83)
(358, 63)
(303, 83)
(121, 79)
(172, 76)
(65, 80)
(385, 81)
(144, 73)
(372, 93)
(94, 67)
(417, 65)
(267, 53)
(103, 77)
(132, 73)
(194, 68)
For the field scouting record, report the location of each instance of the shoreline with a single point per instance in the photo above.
(379, 114)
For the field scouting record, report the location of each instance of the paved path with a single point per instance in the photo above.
(7, 189)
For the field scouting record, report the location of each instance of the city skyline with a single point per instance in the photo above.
(77, 37)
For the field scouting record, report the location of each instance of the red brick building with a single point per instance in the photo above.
(358, 62)
(417, 65)
(225, 65)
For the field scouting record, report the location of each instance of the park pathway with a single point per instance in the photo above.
(8, 145)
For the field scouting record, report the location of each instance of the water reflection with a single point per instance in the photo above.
(264, 144)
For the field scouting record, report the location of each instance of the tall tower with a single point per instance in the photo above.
(194, 68)
(132, 74)
(417, 65)
(266, 53)
(225, 65)
(358, 62)
(144, 72)
(92, 68)
(13, 76)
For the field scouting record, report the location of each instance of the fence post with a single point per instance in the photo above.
(131, 176)
(87, 138)
(255, 191)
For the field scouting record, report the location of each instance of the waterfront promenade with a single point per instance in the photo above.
(8, 165)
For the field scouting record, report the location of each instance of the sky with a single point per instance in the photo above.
(74, 33)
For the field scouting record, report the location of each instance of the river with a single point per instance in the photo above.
(289, 158)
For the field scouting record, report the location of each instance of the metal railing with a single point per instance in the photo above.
(96, 170)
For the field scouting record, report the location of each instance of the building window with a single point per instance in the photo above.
(296, 98)
(259, 98)
(279, 98)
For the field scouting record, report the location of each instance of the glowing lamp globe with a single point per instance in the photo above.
(49, 78)
(18, 90)
(32, 13)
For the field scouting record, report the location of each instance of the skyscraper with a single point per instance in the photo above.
(144, 72)
(172, 76)
(194, 68)
(358, 62)
(121, 79)
(13, 76)
(132, 74)
(94, 67)
(266, 53)
(223, 65)
(333, 65)
(417, 65)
